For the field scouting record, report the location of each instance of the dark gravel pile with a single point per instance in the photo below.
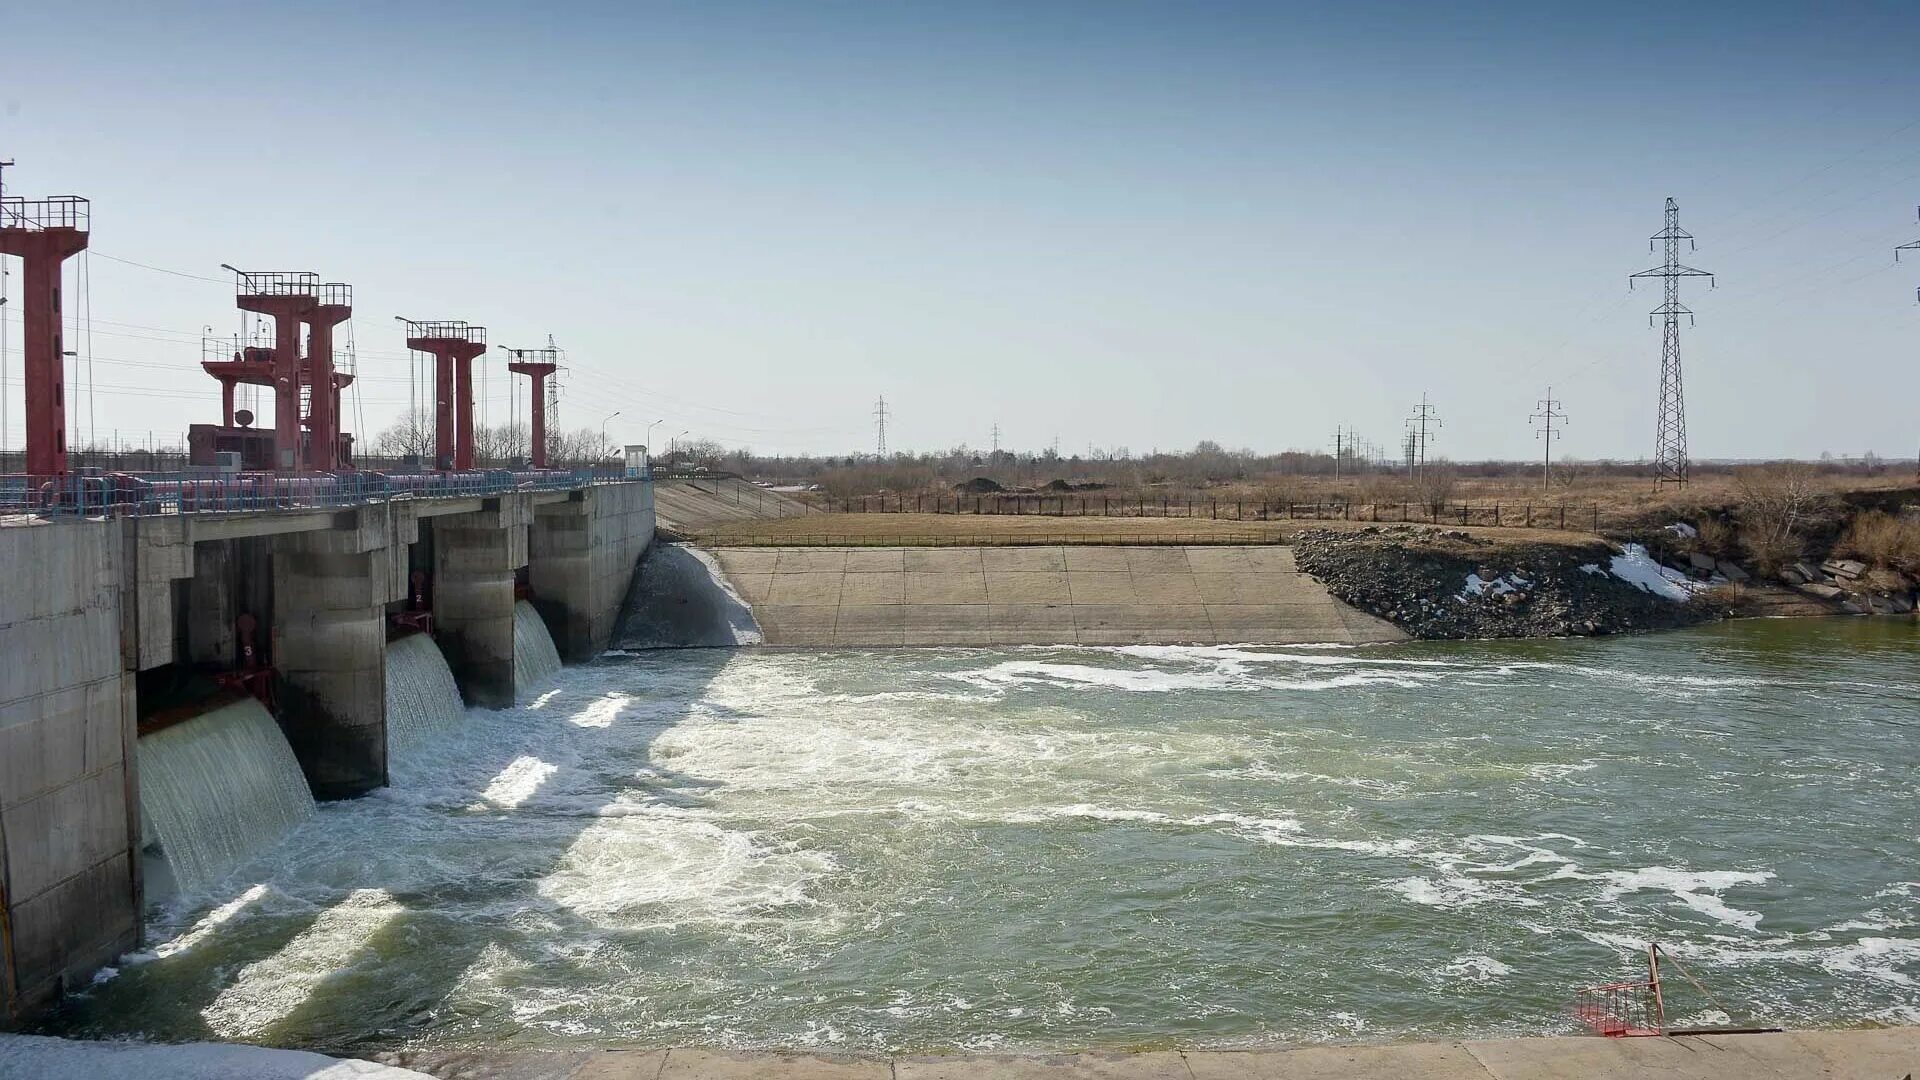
(1414, 577)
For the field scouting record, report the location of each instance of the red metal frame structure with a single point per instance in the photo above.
(453, 344)
(43, 234)
(1629, 1009)
(289, 298)
(334, 306)
(537, 364)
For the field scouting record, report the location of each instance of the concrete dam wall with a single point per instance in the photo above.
(1066, 595)
(240, 663)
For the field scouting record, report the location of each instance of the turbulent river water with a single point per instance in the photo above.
(1064, 847)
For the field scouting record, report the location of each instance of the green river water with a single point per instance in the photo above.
(1059, 847)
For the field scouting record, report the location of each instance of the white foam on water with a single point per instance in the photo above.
(1476, 967)
(695, 872)
(1699, 890)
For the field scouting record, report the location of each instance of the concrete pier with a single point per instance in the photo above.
(582, 553)
(475, 558)
(87, 604)
(330, 591)
(69, 817)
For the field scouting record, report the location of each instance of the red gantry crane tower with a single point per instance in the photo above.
(333, 306)
(289, 297)
(453, 345)
(43, 234)
(537, 364)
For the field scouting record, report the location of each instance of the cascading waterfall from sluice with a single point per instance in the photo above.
(535, 660)
(219, 789)
(422, 698)
(681, 599)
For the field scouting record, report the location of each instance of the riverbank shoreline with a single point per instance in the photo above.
(1861, 1052)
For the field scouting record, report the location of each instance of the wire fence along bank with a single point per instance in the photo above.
(132, 495)
(1522, 515)
(1048, 539)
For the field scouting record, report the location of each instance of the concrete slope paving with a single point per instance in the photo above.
(691, 505)
(1069, 595)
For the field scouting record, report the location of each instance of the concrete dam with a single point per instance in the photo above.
(180, 687)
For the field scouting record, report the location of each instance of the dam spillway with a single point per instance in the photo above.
(219, 789)
(535, 659)
(422, 698)
(110, 610)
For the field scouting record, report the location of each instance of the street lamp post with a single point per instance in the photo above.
(648, 439)
(603, 427)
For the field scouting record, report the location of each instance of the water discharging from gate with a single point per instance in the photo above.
(219, 789)
(422, 698)
(535, 660)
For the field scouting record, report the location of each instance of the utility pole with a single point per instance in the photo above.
(1670, 438)
(1547, 433)
(880, 428)
(1915, 246)
(1424, 418)
(1340, 445)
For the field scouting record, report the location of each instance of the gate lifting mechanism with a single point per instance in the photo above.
(1638, 1008)
(252, 676)
(419, 615)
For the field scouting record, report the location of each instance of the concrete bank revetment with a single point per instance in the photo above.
(1068, 595)
(1885, 1052)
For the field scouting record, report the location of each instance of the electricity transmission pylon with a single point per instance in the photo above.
(880, 427)
(1670, 437)
(1417, 428)
(1915, 246)
(1546, 433)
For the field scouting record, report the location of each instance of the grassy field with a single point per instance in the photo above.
(1587, 500)
(965, 530)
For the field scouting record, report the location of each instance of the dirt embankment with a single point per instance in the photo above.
(1441, 583)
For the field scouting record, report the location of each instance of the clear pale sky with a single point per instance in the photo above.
(1120, 224)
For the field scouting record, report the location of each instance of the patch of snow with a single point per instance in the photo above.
(1499, 586)
(1635, 567)
(1681, 528)
(38, 1055)
(1594, 568)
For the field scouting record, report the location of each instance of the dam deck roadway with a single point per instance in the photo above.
(121, 597)
(1880, 1054)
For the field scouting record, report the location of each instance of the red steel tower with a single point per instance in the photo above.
(453, 344)
(334, 306)
(289, 297)
(537, 364)
(43, 234)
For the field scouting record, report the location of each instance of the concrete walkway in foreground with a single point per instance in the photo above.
(1066, 595)
(1878, 1054)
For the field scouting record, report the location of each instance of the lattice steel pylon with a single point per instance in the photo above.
(1915, 246)
(1670, 440)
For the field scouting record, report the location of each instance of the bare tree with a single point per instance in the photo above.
(1777, 504)
(412, 433)
(1433, 486)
